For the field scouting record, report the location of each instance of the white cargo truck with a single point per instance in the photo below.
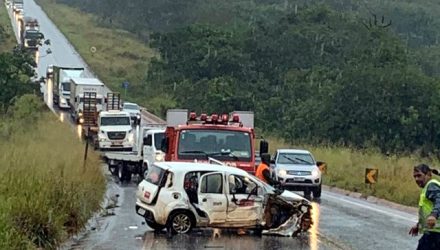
(78, 88)
(145, 152)
(60, 78)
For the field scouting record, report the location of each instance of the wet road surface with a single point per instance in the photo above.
(341, 222)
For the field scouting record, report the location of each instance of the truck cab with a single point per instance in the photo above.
(32, 38)
(60, 77)
(227, 138)
(115, 131)
(152, 143)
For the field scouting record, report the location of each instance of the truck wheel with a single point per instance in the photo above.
(123, 173)
(317, 191)
(180, 222)
(155, 226)
(113, 169)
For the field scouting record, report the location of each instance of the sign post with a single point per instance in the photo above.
(125, 87)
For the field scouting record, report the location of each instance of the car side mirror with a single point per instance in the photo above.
(145, 174)
(264, 147)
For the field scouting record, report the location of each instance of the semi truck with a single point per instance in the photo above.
(116, 131)
(228, 138)
(79, 102)
(60, 77)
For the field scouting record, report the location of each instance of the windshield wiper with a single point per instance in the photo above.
(299, 159)
(290, 159)
(211, 154)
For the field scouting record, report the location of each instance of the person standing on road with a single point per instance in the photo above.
(429, 208)
(263, 171)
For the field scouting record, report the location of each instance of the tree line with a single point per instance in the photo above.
(313, 73)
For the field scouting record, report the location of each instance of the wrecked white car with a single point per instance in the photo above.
(179, 196)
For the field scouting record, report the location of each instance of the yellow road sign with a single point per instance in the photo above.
(371, 175)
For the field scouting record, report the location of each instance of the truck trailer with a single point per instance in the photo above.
(95, 90)
(60, 77)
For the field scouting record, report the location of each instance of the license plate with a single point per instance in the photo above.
(298, 179)
(141, 211)
(116, 142)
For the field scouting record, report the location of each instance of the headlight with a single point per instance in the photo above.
(159, 157)
(282, 172)
(131, 137)
(315, 173)
(80, 114)
(63, 100)
(81, 120)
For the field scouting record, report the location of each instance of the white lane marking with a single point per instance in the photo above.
(409, 217)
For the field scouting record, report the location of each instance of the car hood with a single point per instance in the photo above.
(291, 196)
(297, 167)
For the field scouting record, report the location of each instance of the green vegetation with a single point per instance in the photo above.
(46, 191)
(315, 75)
(7, 38)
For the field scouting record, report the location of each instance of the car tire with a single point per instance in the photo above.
(155, 226)
(180, 222)
(317, 191)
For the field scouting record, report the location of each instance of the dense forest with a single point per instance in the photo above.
(346, 72)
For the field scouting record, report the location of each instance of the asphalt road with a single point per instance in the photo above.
(340, 222)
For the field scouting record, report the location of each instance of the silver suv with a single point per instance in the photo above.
(297, 170)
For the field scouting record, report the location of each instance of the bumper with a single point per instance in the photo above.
(300, 182)
(115, 146)
(63, 105)
(142, 210)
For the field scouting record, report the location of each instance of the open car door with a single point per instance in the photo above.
(212, 197)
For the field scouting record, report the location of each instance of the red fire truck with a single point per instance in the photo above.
(228, 138)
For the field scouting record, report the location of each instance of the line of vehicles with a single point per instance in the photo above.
(29, 35)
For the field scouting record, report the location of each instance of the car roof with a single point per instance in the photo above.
(298, 151)
(130, 103)
(184, 167)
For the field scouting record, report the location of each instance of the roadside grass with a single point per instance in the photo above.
(346, 169)
(119, 55)
(8, 42)
(46, 193)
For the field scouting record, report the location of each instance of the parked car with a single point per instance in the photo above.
(296, 169)
(180, 196)
(133, 109)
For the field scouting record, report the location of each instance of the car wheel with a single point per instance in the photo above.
(317, 191)
(180, 222)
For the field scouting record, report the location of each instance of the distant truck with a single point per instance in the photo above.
(95, 90)
(228, 138)
(60, 77)
(31, 23)
(31, 38)
(17, 6)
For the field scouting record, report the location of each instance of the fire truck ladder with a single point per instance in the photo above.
(90, 111)
(113, 101)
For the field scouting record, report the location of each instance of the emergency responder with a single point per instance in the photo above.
(263, 171)
(429, 208)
